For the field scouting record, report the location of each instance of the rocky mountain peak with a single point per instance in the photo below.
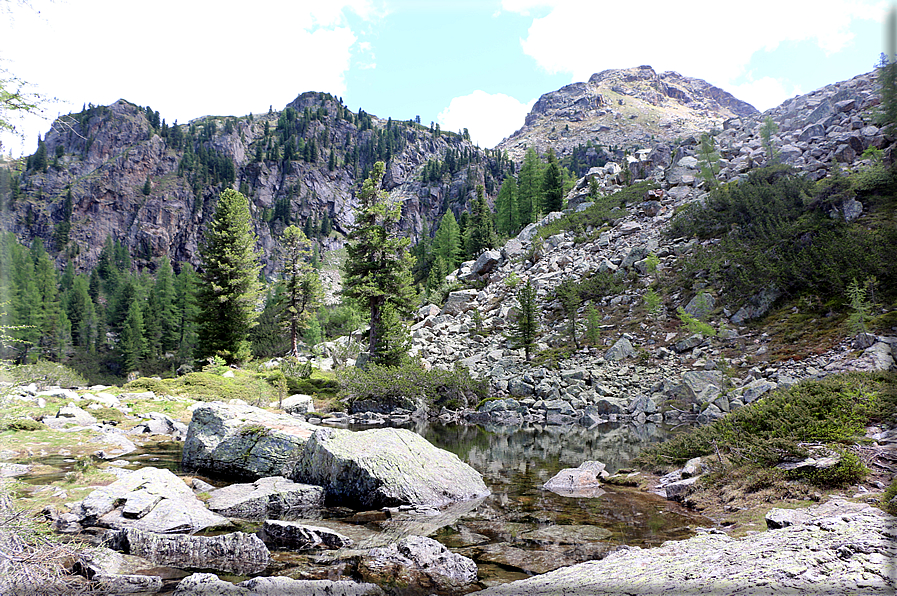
(630, 107)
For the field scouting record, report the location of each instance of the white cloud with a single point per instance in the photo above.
(764, 93)
(704, 38)
(185, 59)
(489, 117)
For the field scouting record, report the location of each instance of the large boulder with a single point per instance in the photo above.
(386, 467)
(459, 301)
(208, 584)
(241, 441)
(418, 565)
(583, 481)
(273, 495)
(148, 499)
(236, 552)
(622, 349)
(296, 536)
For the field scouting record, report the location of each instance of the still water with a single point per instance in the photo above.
(519, 529)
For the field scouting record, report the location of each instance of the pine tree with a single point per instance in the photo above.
(133, 343)
(230, 289)
(526, 326)
(447, 243)
(186, 312)
(507, 216)
(378, 267)
(553, 185)
(569, 297)
(482, 228)
(163, 308)
(302, 295)
(529, 188)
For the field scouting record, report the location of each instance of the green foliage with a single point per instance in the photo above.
(525, 327)
(552, 185)
(397, 386)
(597, 284)
(507, 214)
(859, 307)
(833, 411)
(481, 234)
(889, 498)
(44, 373)
(302, 293)
(774, 232)
(768, 129)
(512, 280)
(653, 302)
(693, 325)
(23, 424)
(529, 188)
(708, 161)
(593, 325)
(229, 294)
(567, 293)
(447, 244)
(849, 470)
(378, 266)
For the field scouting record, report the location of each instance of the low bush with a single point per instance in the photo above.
(25, 424)
(44, 373)
(832, 411)
(889, 498)
(409, 385)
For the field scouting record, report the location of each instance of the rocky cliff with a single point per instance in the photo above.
(627, 108)
(153, 186)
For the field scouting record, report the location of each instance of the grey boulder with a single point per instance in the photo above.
(418, 565)
(386, 467)
(266, 496)
(208, 584)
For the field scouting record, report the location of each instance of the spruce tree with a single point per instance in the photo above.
(186, 312)
(230, 289)
(378, 267)
(133, 343)
(482, 228)
(529, 188)
(302, 295)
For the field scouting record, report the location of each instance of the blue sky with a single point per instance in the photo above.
(463, 63)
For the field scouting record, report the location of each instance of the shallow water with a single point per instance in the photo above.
(519, 529)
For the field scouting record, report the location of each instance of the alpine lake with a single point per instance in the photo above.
(517, 531)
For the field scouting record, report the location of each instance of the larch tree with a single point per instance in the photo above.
(553, 185)
(302, 295)
(378, 267)
(229, 294)
(482, 227)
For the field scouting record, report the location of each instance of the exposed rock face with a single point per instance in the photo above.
(272, 495)
(243, 441)
(386, 467)
(418, 565)
(109, 152)
(624, 107)
(841, 547)
(235, 552)
(149, 499)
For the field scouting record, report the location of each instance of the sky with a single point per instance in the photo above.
(475, 64)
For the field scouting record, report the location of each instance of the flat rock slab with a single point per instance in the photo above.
(385, 468)
(208, 584)
(151, 499)
(584, 481)
(236, 552)
(842, 548)
(266, 496)
(243, 441)
(296, 536)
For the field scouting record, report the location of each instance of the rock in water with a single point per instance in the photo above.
(236, 552)
(418, 565)
(243, 441)
(584, 481)
(272, 495)
(208, 584)
(386, 467)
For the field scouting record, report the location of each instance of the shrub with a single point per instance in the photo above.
(409, 384)
(889, 498)
(43, 373)
(693, 325)
(25, 424)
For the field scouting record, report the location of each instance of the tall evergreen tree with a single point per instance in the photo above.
(507, 215)
(302, 295)
(164, 311)
(230, 289)
(529, 187)
(482, 228)
(133, 344)
(447, 244)
(378, 267)
(525, 327)
(186, 312)
(553, 185)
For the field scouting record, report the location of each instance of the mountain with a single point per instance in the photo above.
(152, 186)
(626, 108)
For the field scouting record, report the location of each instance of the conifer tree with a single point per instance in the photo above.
(230, 289)
(507, 216)
(378, 267)
(133, 343)
(186, 311)
(163, 308)
(447, 243)
(525, 328)
(553, 185)
(529, 188)
(482, 228)
(302, 295)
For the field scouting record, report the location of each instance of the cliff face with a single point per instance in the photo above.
(630, 108)
(105, 155)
